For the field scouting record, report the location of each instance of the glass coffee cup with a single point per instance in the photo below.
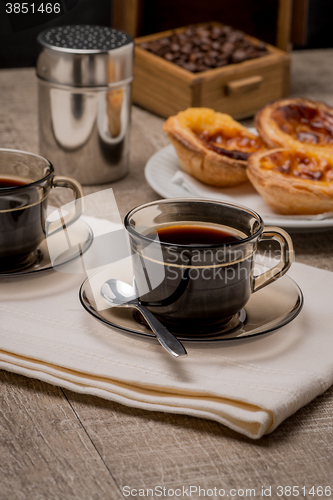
(26, 180)
(193, 260)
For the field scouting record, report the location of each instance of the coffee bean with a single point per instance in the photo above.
(227, 48)
(201, 48)
(162, 51)
(182, 37)
(197, 41)
(226, 30)
(201, 67)
(261, 46)
(164, 41)
(238, 56)
(182, 57)
(203, 32)
(186, 49)
(190, 66)
(216, 32)
(195, 56)
(169, 56)
(174, 47)
(216, 46)
(222, 62)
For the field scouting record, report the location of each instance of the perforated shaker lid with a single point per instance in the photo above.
(85, 55)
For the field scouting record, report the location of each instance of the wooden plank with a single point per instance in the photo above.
(45, 451)
(299, 27)
(117, 14)
(125, 15)
(216, 93)
(170, 100)
(283, 30)
(244, 85)
(146, 449)
(155, 62)
(163, 91)
(131, 17)
(253, 66)
(286, 78)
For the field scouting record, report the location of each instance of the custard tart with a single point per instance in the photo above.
(211, 146)
(293, 182)
(296, 123)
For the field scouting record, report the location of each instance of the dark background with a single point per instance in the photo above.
(19, 49)
(256, 17)
(320, 31)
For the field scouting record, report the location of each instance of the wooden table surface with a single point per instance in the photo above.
(56, 444)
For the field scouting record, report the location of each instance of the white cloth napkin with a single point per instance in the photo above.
(250, 387)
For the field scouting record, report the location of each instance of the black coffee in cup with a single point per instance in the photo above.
(25, 182)
(185, 234)
(8, 182)
(205, 280)
(193, 260)
(22, 221)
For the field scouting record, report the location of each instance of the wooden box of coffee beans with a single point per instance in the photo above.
(208, 65)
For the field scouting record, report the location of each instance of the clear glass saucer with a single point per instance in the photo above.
(267, 310)
(79, 230)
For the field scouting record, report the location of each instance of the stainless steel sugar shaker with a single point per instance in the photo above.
(84, 90)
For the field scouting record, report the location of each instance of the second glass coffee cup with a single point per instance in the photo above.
(208, 281)
(26, 180)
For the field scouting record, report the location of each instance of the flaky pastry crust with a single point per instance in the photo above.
(293, 182)
(296, 124)
(211, 146)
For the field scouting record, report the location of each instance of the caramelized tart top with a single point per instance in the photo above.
(220, 133)
(233, 144)
(298, 164)
(307, 124)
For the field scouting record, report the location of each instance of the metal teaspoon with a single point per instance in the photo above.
(120, 294)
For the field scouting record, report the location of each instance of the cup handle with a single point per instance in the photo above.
(287, 257)
(67, 182)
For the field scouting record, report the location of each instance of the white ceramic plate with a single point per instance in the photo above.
(163, 165)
